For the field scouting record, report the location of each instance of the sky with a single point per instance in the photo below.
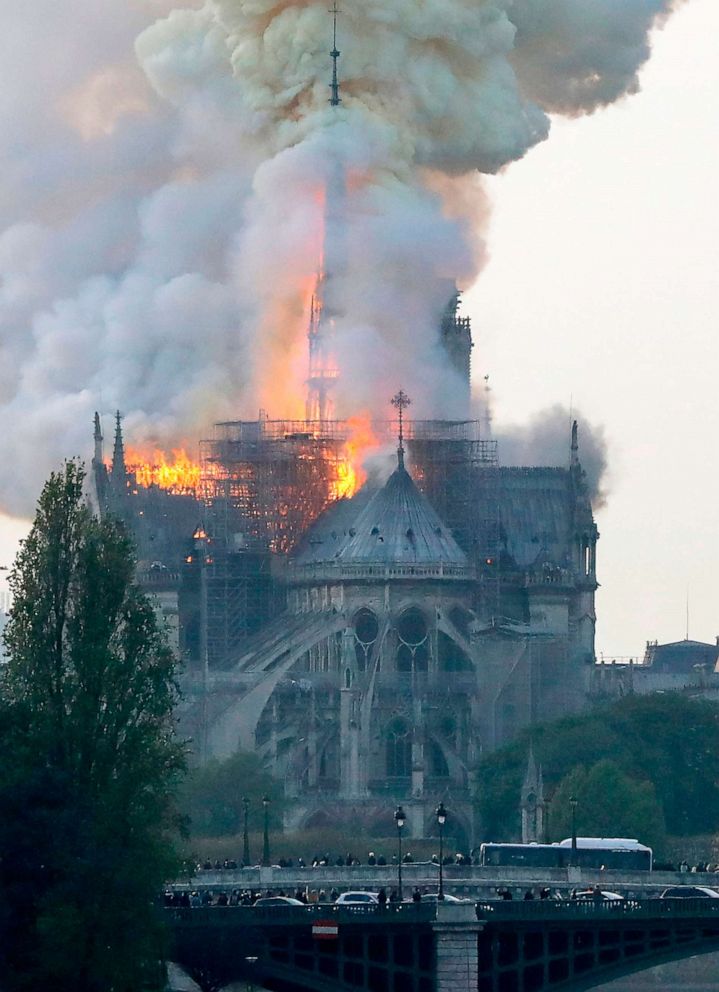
(599, 294)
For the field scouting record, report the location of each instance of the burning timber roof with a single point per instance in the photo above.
(396, 526)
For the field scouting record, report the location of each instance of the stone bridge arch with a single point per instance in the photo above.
(541, 947)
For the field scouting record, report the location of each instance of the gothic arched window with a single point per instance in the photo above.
(413, 634)
(398, 742)
(366, 629)
(438, 762)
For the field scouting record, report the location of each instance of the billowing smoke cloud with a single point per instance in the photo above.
(161, 212)
(546, 441)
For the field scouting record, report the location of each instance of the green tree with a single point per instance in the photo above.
(609, 804)
(667, 740)
(212, 796)
(90, 760)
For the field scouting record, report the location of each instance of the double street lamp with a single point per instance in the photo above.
(245, 833)
(400, 819)
(266, 838)
(573, 804)
(441, 814)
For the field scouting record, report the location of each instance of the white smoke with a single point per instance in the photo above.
(159, 211)
(546, 441)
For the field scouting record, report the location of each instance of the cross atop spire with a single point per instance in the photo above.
(334, 85)
(400, 402)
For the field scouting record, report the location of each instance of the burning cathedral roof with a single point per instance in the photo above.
(396, 526)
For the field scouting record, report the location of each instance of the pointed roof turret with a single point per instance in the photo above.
(393, 532)
(399, 527)
(119, 471)
(533, 781)
(575, 445)
(98, 456)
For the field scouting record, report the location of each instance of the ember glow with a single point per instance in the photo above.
(177, 473)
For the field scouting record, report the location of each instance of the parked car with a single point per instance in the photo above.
(602, 895)
(434, 897)
(278, 901)
(357, 899)
(689, 892)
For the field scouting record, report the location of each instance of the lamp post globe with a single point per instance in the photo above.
(400, 819)
(266, 836)
(441, 814)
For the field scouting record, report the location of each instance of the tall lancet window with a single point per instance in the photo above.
(399, 750)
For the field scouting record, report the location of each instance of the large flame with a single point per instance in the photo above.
(351, 474)
(178, 474)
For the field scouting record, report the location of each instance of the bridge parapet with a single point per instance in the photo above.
(533, 946)
(471, 880)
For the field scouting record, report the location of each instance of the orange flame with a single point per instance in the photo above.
(179, 475)
(351, 474)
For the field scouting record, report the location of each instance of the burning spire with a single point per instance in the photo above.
(334, 85)
(323, 371)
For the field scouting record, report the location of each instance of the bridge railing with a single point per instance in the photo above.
(548, 909)
(407, 912)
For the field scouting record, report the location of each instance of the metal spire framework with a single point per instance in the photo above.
(323, 371)
(334, 85)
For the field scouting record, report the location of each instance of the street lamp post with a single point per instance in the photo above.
(573, 804)
(251, 962)
(266, 837)
(547, 805)
(400, 819)
(245, 833)
(441, 814)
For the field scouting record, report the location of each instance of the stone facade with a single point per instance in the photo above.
(395, 665)
(415, 626)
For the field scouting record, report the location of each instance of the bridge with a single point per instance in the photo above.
(495, 946)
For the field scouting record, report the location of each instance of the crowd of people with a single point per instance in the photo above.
(327, 860)
(249, 897)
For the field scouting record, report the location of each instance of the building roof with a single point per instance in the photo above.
(331, 529)
(399, 526)
(536, 515)
(680, 656)
(395, 525)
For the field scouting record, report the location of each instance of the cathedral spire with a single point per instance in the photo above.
(119, 471)
(533, 804)
(327, 303)
(98, 457)
(575, 445)
(334, 85)
(400, 402)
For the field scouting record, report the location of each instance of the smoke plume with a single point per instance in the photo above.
(546, 441)
(162, 207)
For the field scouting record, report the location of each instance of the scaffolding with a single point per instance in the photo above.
(458, 471)
(265, 482)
